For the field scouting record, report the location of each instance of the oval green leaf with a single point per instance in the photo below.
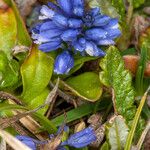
(86, 85)
(36, 73)
(23, 37)
(9, 72)
(7, 24)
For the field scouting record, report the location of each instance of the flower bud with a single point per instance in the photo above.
(63, 63)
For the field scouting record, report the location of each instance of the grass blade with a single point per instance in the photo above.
(135, 121)
(79, 112)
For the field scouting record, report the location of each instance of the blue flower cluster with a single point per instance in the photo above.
(69, 23)
(77, 140)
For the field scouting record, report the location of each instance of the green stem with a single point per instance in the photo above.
(117, 136)
(130, 12)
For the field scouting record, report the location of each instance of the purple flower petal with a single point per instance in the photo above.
(50, 46)
(54, 7)
(75, 23)
(52, 33)
(106, 42)
(93, 50)
(47, 25)
(113, 33)
(101, 20)
(81, 139)
(63, 63)
(78, 7)
(69, 35)
(113, 24)
(30, 142)
(60, 20)
(80, 45)
(96, 34)
(46, 13)
(64, 129)
(95, 11)
(36, 28)
(65, 5)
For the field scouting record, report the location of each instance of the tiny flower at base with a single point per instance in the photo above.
(81, 139)
(77, 140)
(30, 142)
(63, 63)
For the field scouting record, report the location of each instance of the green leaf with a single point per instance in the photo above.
(36, 73)
(39, 100)
(129, 51)
(80, 59)
(78, 63)
(145, 39)
(135, 121)
(9, 72)
(105, 146)
(86, 85)
(117, 133)
(136, 3)
(23, 37)
(8, 107)
(46, 123)
(79, 112)
(140, 71)
(124, 41)
(7, 23)
(121, 81)
(120, 6)
(113, 8)
(106, 7)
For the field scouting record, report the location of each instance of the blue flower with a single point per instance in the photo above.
(81, 139)
(63, 63)
(77, 140)
(69, 22)
(30, 142)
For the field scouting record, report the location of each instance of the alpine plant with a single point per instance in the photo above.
(69, 26)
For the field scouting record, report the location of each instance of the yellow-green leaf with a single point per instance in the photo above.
(7, 23)
(23, 37)
(9, 72)
(86, 85)
(36, 73)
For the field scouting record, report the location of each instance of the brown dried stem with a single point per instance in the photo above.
(6, 96)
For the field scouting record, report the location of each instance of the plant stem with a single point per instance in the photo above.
(130, 12)
(5, 96)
